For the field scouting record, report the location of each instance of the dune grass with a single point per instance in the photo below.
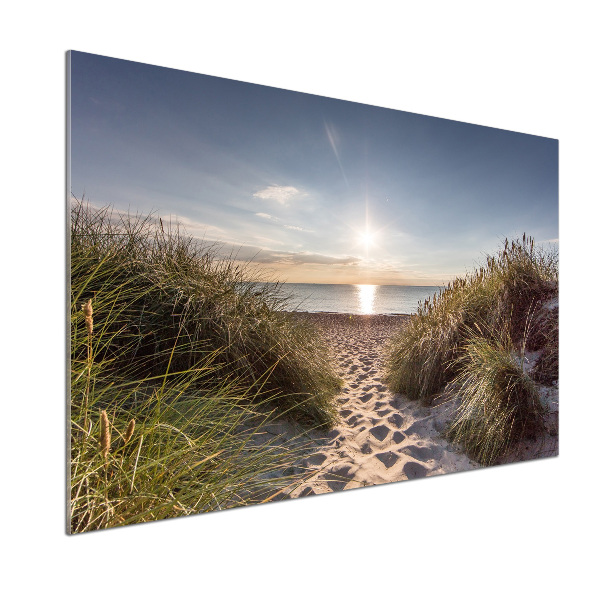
(143, 452)
(177, 358)
(502, 300)
(177, 289)
(500, 403)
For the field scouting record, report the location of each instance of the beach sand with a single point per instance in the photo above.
(381, 437)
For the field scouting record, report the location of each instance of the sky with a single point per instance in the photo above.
(311, 189)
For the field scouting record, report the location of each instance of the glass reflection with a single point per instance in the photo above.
(366, 298)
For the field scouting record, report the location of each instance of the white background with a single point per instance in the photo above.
(526, 530)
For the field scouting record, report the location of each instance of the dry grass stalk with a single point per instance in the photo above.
(129, 432)
(88, 312)
(89, 325)
(104, 434)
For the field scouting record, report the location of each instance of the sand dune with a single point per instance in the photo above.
(381, 437)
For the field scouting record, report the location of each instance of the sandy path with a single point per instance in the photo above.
(381, 437)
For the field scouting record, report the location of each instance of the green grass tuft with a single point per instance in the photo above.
(505, 293)
(499, 404)
(439, 344)
(155, 285)
(199, 356)
(191, 451)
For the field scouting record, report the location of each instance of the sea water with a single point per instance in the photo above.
(356, 299)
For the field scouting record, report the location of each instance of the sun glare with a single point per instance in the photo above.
(366, 239)
(366, 298)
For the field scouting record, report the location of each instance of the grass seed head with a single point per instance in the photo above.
(129, 432)
(88, 312)
(104, 434)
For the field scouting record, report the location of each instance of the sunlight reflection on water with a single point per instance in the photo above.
(366, 298)
(356, 299)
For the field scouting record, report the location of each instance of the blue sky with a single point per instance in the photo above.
(311, 188)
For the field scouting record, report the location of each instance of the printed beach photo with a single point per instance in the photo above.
(276, 295)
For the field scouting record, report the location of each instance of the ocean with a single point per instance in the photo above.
(357, 299)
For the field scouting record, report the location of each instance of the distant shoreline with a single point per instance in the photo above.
(428, 285)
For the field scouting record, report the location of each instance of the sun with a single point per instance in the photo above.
(366, 239)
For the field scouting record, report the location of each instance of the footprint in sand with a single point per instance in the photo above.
(343, 471)
(366, 449)
(354, 419)
(397, 404)
(414, 429)
(396, 420)
(335, 485)
(398, 437)
(389, 459)
(339, 476)
(422, 453)
(380, 432)
(316, 459)
(414, 470)
(366, 397)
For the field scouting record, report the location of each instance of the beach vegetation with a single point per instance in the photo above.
(178, 360)
(499, 403)
(507, 302)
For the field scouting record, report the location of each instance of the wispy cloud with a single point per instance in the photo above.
(266, 216)
(269, 217)
(278, 193)
(266, 256)
(305, 258)
(197, 229)
(296, 228)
